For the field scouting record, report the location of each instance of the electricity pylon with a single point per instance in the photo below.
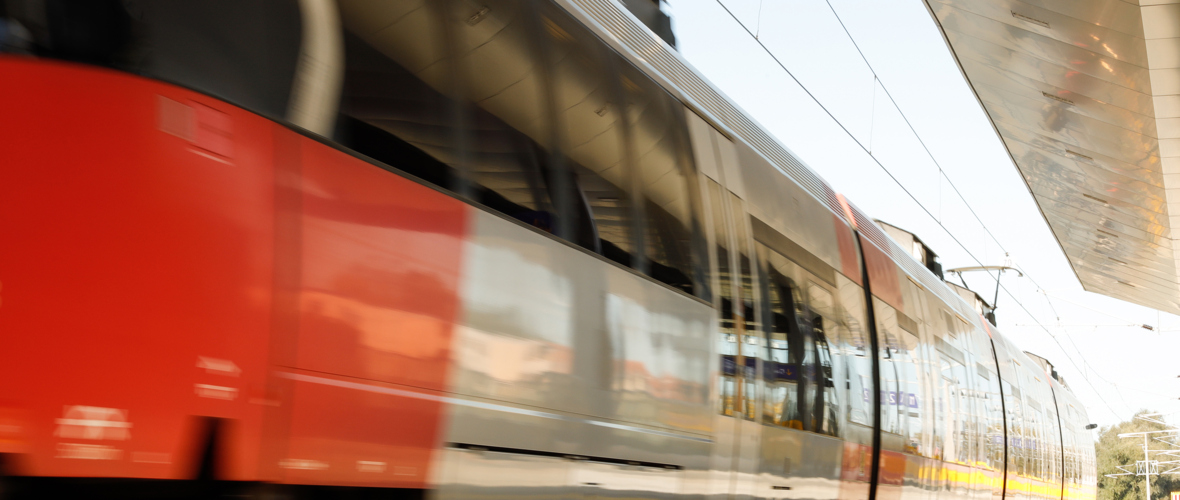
(1148, 467)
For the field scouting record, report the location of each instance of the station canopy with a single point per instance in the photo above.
(1086, 97)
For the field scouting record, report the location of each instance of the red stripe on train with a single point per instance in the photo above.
(148, 279)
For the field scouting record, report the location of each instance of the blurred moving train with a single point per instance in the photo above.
(461, 249)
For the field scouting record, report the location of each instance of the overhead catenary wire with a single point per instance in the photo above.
(1085, 364)
(1086, 374)
(929, 154)
(907, 191)
(904, 118)
(971, 209)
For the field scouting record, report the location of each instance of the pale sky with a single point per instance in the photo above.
(1113, 367)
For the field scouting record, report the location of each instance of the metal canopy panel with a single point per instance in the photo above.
(1086, 97)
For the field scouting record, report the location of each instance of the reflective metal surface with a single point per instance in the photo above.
(583, 358)
(357, 321)
(624, 33)
(1083, 96)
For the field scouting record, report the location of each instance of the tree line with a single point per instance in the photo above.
(1114, 451)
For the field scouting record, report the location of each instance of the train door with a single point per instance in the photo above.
(959, 452)
(893, 356)
(995, 427)
(911, 356)
(856, 348)
(930, 410)
(991, 415)
(1015, 484)
(801, 411)
(1053, 443)
(747, 482)
(734, 458)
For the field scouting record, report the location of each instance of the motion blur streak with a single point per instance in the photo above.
(467, 250)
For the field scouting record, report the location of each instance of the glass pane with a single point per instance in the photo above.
(244, 52)
(658, 139)
(408, 104)
(857, 352)
(391, 114)
(784, 389)
(509, 160)
(727, 344)
(910, 370)
(591, 132)
(892, 372)
(828, 400)
(749, 328)
(801, 349)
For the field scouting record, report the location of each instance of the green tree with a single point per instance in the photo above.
(1114, 451)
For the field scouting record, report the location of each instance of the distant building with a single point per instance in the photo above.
(924, 254)
(1052, 372)
(978, 303)
(907, 241)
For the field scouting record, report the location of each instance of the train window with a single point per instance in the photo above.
(410, 100)
(392, 116)
(747, 298)
(611, 209)
(854, 348)
(889, 346)
(906, 358)
(662, 169)
(939, 408)
(1032, 422)
(954, 374)
(1053, 442)
(244, 52)
(949, 402)
(785, 398)
(604, 123)
(928, 411)
(977, 379)
(1072, 439)
(729, 404)
(829, 400)
(591, 131)
(1015, 421)
(825, 391)
(800, 373)
(994, 413)
(909, 367)
(628, 152)
(509, 163)
(740, 341)
(989, 404)
(508, 172)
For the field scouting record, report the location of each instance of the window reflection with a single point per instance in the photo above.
(800, 386)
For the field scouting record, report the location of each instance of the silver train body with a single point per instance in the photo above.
(655, 299)
(575, 376)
